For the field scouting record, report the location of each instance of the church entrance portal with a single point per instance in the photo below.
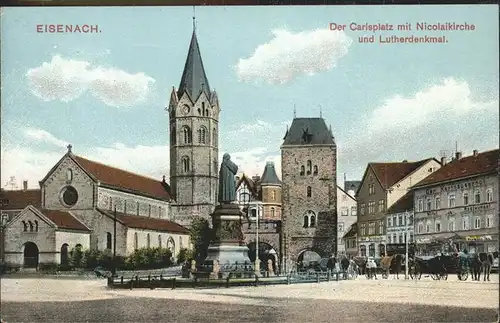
(30, 255)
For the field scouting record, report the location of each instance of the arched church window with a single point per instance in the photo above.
(302, 170)
(25, 225)
(69, 175)
(187, 135)
(202, 133)
(214, 137)
(185, 164)
(309, 167)
(306, 221)
(109, 240)
(173, 136)
(309, 191)
(31, 226)
(315, 170)
(313, 221)
(311, 216)
(273, 212)
(36, 225)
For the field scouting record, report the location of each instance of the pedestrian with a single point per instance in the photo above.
(487, 266)
(345, 266)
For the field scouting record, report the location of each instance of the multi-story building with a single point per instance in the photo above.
(457, 206)
(347, 215)
(309, 186)
(399, 221)
(260, 197)
(383, 184)
(351, 241)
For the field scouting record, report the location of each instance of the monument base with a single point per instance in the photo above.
(228, 254)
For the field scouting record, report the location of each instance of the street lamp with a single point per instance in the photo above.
(407, 217)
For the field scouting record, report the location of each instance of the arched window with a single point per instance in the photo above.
(273, 212)
(313, 221)
(466, 198)
(185, 164)
(315, 170)
(64, 254)
(159, 241)
(302, 170)
(309, 167)
(438, 202)
(477, 223)
(451, 224)
(187, 135)
(465, 223)
(25, 225)
(437, 226)
(109, 240)
(429, 204)
(309, 191)
(203, 108)
(214, 137)
(171, 245)
(173, 136)
(428, 227)
(36, 225)
(136, 241)
(202, 133)
(31, 226)
(420, 228)
(148, 241)
(306, 221)
(489, 195)
(477, 197)
(69, 175)
(273, 195)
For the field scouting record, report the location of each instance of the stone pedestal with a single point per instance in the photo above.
(228, 253)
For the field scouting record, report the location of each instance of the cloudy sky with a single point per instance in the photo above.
(105, 92)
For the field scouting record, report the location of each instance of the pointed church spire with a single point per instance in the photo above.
(194, 79)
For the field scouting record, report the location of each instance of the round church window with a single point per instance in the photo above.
(69, 195)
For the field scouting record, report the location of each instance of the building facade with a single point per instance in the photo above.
(456, 208)
(347, 216)
(351, 241)
(383, 184)
(309, 187)
(77, 204)
(194, 141)
(400, 221)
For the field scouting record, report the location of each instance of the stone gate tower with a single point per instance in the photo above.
(194, 141)
(309, 182)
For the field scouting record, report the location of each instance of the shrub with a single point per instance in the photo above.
(76, 257)
(184, 255)
(48, 267)
(149, 258)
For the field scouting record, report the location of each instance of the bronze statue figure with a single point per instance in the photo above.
(227, 182)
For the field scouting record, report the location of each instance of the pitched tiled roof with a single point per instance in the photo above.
(64, 220)
(147, 223)
(405, 203)
(269, 176)
(19, 199)
(308, 131)
(252, 186)
(482, 163)
(390, 173)
(121, 179)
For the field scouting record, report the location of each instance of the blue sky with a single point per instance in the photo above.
(105, 92)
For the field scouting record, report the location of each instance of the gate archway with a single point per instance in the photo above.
(31, 255)
(266, 252)
(308, 258)
(65, 254)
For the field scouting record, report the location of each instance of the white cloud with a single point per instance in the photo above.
(67, 79)
(290, 55)
(448, 99)
(42, 135)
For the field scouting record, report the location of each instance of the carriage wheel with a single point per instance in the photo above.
(463, 276)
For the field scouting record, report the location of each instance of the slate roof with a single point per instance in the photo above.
(405, 203)
(308, 131)
(469, 166)
(64, 220)
(121, 179)
(269, 177)
(146, 223)
(194, 80)
(19, 199)
(390, 173)
(351, 185)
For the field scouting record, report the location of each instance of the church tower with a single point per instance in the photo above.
(194, 141)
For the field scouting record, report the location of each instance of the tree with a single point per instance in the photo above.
(201, 235)
(185, 254)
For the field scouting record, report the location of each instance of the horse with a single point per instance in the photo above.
(391, 263)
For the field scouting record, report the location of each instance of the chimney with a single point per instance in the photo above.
(458, 155)
(443, 161)
(25, 185)
(475, 152)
